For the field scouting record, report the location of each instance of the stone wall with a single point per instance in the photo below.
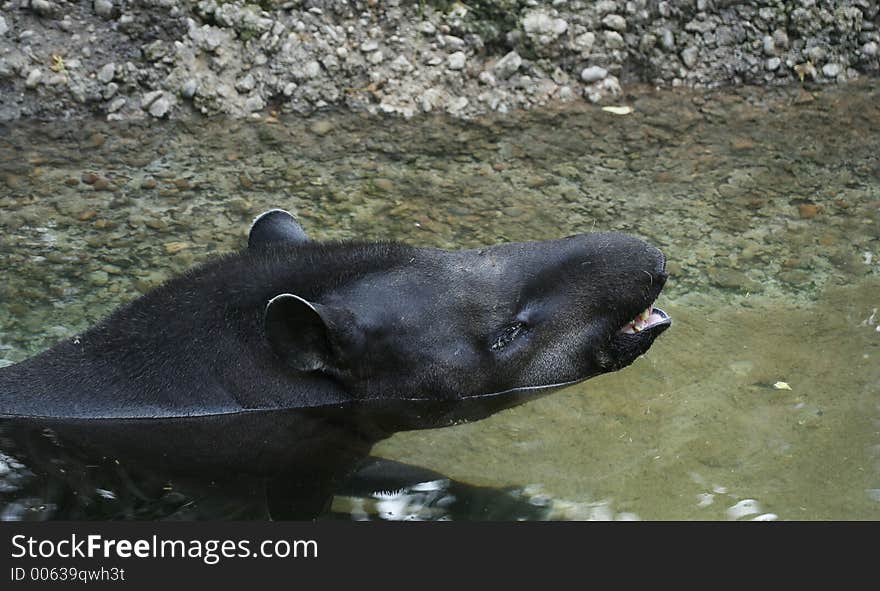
(167, 58)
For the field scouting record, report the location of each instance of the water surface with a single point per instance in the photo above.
(763, 400)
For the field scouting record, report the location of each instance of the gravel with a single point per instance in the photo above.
(395, 57)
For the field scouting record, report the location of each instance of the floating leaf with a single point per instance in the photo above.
(618, 110)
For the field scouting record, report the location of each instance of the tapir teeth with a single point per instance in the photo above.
(640, 322)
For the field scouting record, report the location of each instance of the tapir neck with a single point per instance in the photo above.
(143, 362)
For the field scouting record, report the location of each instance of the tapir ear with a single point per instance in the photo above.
(307, 336)
(275, 225)
(297, 333)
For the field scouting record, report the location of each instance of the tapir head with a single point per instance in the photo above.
(469, 332)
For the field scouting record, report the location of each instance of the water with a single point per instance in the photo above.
(767, 204)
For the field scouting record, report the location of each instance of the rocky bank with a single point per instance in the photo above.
(128, 59)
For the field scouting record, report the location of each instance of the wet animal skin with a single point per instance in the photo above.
(290, 359)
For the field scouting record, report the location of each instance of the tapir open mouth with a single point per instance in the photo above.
(635, 337)
(650, 318)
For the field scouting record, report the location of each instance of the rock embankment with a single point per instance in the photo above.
(166, 58)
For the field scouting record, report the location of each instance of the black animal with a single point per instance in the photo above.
(291, 359)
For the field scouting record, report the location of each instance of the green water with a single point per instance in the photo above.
(767, 204)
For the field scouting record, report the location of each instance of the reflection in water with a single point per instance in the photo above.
(767, 205)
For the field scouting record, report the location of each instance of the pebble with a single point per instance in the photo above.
(584, 42)
(605, 6)
(155, 51)
(149, 97)
(254, 103)
(831, 70)
(321, 127)
(808, 211)
(239, 205)
(160, 107)
(427, 28)
(456, 61)
(780, 39)
(647, 42)
(613, 40)
(103, 8)
(188, 89)
(487, 78)
(106, 73)
(116, 104)
(44, 7)
(689, 57)
(457, 105)
(33, 78)
(795, 277)
(742, 368)
(383, 184)
(452, 42)
(541, 27)
(245, 84)
(149, 281)
(313, 68)
(803, 97)
(290, 88)
(507, 65)
(175, 247)
(3, 26)
(615, 22)
(98, 278)
(593, 73)
(96, 140)
(109, 91)
(401, 65)
(731, 279)
(156, 224)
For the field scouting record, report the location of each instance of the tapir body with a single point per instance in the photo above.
(293, 358)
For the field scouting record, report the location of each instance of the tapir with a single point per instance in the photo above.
(290, 359)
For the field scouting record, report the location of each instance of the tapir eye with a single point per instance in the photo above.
(507, 335)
